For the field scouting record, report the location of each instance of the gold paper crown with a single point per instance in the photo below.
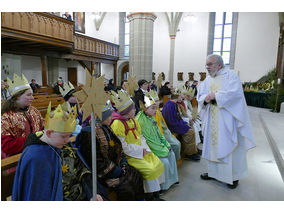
(18, 84)
(153, 94)
(121, 100)
(60, 120)
(149, 101)
(67, 88)
(187, 91)
(177, 91)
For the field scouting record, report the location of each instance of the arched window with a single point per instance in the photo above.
(222, 36)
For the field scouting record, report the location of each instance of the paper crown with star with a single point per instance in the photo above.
(148, 101)
(18, 84)
(60, 120)
(153, 94)
(121, 100)
(68, 88)
(187, 91)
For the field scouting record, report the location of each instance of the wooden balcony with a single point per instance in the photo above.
(87, 46)
(39, 30)
(36, 33)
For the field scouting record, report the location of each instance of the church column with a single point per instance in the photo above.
(44, 70)
(173, 22)
(141, 45)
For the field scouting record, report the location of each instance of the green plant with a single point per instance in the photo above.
(271, 100)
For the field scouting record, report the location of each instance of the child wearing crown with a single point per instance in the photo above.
(67, 90)
(113, 169)
(18, 118)
(157, 142)
(175, 144)
(134, 145)
(39, 172)
(173, 112)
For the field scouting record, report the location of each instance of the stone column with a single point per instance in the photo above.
(141, 45)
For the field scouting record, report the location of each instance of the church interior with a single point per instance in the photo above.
(160, 47)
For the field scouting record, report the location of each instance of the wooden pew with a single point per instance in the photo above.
(7, 176)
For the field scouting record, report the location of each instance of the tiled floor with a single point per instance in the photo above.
(264, 182)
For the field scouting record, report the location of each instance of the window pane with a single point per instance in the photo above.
(126, 39)
(219, 18)
(227, 44)
(127, 27)
(217, 45)
(126, 50)
(228, 30)
(218, 31)
(217, 52)
(226, 57)
(229, 17)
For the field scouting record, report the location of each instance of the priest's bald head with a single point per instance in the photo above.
(214, 63)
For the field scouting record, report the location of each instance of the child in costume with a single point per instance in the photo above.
(157, 142)
(172, 112)
(134, 145)
(67, 90)
(113, 170)
(18, 118)
(39, 172)
(175, 144)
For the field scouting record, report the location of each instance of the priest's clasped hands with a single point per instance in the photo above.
(210, 97)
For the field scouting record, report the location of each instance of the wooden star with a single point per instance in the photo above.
(131, 85)
(160, 80)
(96, 97)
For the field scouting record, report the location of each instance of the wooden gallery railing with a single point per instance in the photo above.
(87, 46)
(38, 27)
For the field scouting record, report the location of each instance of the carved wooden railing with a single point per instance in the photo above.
(41, 27)
(90, 46)
(50, 29)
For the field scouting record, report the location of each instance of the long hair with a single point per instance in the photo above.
(11, 104)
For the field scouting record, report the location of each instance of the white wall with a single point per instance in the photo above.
(31, 68)
(107, 70)
(11, 64)
(161, 46)
(109, 29)
(190, 47)
(257, 41)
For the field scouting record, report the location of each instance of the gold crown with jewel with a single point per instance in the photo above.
(67, 87)
(153, 94)
(187, 91)
(60, 120)
(121, 100)
(18, 84)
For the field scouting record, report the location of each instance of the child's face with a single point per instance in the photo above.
(72, 100)
(58, 139)
(25, 99)
(107, 121)
(151, 110)
(131, 114)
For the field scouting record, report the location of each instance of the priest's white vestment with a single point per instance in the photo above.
(226, 126)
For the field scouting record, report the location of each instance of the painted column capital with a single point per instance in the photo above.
(142, 15)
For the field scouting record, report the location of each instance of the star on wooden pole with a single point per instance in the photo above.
(131, 85)
(92, 95)
(159, 81)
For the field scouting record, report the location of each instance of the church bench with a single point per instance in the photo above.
(7, 175)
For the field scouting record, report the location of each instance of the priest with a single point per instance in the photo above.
(226, 125)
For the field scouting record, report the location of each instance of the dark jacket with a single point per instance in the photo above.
(165, 91)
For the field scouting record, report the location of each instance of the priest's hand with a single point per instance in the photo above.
(207, 99)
